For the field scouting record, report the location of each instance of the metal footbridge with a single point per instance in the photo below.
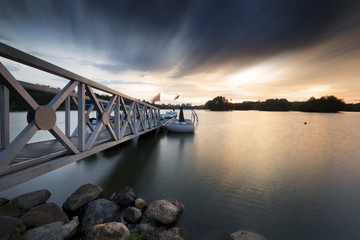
(118, 119)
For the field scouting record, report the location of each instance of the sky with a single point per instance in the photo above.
(244, 50)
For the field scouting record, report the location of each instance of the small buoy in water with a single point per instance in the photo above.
(305, 123)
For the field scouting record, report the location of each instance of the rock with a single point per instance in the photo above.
(132, 214)
(171, 234)
(3, 201)
(54, 231)
(145, 227)
(245, 235)
(11, 211)
(11, 228)
(140, 203)
(32, 199)
(164, 211)
(82, 196)
(107, 231)
(43, 214)
(125, 197)
(99, 211)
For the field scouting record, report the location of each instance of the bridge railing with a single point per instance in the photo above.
(121, 118)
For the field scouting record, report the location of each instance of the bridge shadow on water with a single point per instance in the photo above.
(133, 158)
(142, 163)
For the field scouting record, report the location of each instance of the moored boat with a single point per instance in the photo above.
(183, 125)
(168, 115)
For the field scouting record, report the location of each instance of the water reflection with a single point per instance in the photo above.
(267, 172)
(130, 163)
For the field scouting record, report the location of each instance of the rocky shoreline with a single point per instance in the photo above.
(86, 215)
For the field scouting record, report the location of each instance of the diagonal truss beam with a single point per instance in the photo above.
(17, 144)
(100, 124)
(94, 99)
(63, 94)
(127, 121)
(59, 135)
(14, 86)
(140, 114)
(109, 109)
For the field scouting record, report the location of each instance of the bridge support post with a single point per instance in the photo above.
(81, 117)
(4, 117)
(67, 117)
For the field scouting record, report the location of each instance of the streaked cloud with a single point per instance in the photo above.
(246, 49)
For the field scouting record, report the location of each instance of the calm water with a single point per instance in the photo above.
(266, 172)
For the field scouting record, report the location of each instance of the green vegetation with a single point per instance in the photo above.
(219, 104)
(330, 104)
(274, 105)
(135, 236)
(13, 203)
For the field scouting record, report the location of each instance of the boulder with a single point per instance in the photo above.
(164, 211)
(245, 235)
(140, 203)
(32, 199)
(43, 214)
(171, 234)
(132, 214)
(109, 231)
(82, 196)
(3, 201)
(125, 197)
(11, 211)
(54, 231)
(11, 228)
(145, 227)
(97, 212)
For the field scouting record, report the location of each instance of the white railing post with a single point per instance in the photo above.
(67, 116)
(4, 117)
(81, 117)
(117, 117)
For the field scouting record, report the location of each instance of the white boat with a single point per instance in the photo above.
(182, 125)
(168, 115)
(165, 116)
(172, 113)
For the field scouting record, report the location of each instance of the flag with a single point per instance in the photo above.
(177, 97)
(156, 98)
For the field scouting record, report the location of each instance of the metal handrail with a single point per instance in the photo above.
(194, 119)
(16, 55)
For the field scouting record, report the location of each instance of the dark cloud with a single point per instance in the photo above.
(197, 36)
(112, 68)
(5, 38)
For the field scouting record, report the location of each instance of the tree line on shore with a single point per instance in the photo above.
(329, 104)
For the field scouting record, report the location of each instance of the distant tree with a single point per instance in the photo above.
(219, 103)
(246, 105)
(330, 104)
(352, 107)
(274, 105)
(323, 104)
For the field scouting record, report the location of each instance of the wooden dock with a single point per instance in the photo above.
(118, 120)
